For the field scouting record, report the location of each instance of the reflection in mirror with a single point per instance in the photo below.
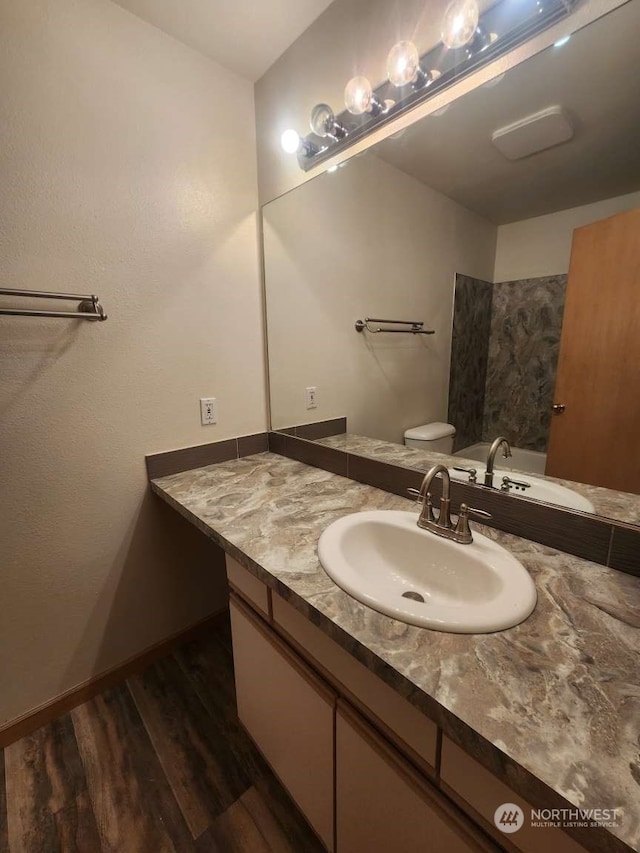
(465, 222)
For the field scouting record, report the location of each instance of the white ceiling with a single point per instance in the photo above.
(246, 36)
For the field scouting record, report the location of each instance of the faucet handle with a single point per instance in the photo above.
(462, 530)
(507, 482)
(472, 472)
(427, 513)
(480, 513)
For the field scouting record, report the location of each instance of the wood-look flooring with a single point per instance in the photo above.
(158, 763)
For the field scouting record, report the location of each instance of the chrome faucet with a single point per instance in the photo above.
(506, 452)
(442, 525)
(427, 518)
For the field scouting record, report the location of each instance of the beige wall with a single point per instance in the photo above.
(128, 170)
(542, 246)
(366, 240)
(354, 37)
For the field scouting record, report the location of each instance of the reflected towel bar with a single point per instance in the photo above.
(89, 307)
(416, 326)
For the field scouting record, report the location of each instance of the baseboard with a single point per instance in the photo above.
(40, 716)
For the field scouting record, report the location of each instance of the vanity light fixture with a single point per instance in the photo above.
(480, 41)
(470, 40)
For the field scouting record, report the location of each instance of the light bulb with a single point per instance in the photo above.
(403, 63)
(323, 122)
(460, 23)
(358, 95)
(290, 141)
(404, 69)
(359, 98)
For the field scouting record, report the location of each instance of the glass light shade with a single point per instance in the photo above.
(290, 141)
(322, 120)
(358, 96)
(403, 63)
(460, 23)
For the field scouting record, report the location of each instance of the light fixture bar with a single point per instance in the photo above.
(513, 24)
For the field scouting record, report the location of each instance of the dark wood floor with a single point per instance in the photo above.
(156, 764)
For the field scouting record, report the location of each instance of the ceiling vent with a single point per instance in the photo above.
(533, 133)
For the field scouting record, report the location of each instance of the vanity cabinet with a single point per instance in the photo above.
(289, 714)
(382, 804)
(358, 759)
(402, 723)
(478, 791)
(249, 587)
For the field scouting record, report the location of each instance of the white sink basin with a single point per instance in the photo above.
(540, 490)
(386, 561)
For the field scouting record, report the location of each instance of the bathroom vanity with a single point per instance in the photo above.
(394, 737)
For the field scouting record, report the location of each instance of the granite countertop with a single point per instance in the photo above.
(552, 706)
(620, 506)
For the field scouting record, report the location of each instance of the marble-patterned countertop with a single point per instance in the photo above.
(620, 506)
(552, 706)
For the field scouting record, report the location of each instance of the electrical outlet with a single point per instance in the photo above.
(208, 410)
(312, 397)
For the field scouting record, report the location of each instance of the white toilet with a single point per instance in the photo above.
(436, 437)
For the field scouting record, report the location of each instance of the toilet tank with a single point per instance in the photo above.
(436, 437)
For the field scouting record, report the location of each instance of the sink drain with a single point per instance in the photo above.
(414, 596)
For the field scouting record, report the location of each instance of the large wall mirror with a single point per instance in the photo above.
(507, 227)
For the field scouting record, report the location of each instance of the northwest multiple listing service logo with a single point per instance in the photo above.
(509, 818)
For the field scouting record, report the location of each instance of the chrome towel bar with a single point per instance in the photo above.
(89, 307)
(415, 326)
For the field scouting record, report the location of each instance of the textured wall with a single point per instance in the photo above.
(118, 177)
(366, 240)
(542, 246)
(526, 322)
(469, 357)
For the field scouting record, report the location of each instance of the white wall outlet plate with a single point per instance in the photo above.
(208, 410)
(312, 397)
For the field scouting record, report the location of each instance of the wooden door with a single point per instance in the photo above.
(596, 439)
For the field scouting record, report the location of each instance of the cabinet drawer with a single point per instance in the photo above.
(403, 722)
(478, 787)
(290, 716)
(249, 586)
(383, 805)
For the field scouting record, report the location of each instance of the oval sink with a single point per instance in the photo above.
(539, 490)
(387, 562)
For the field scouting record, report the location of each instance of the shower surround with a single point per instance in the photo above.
(504, 355)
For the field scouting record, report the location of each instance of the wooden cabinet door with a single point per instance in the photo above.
(290, 716)
(383, 805)
(596, 439)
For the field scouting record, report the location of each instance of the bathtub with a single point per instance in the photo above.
(522, 460)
